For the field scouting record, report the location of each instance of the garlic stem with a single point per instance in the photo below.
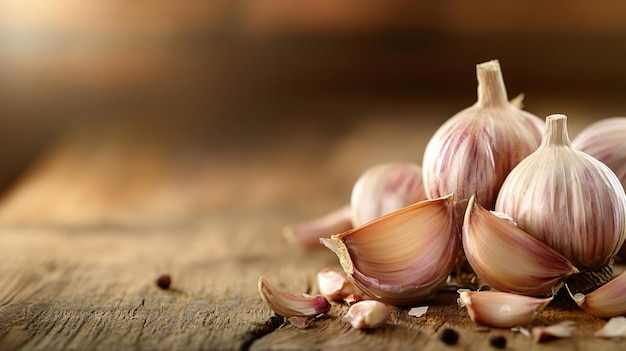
(555, 132)
(491, 88)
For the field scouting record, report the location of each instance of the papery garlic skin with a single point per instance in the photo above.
(607, 301)
(385, 188)
(473, 152)
(605, 141)
(567, 199)
(506, 258)
(500, 309)
(288, 305)
(404, 257)
(368, 314)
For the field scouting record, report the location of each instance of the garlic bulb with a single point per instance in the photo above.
(605, 141)
(473, 151)
(386, 188)
(380, 190)
(569, 200)
(404, 257)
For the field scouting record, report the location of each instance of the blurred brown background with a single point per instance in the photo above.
(240, 72)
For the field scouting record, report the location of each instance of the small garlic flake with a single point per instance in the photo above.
(333, 285)
(614, 328)
(300, 322)
(418, 311)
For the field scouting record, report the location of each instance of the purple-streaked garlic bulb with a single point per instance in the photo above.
(473, 152)
(570, 201)
(385, 188)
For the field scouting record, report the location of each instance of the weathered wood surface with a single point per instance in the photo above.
(86, 231)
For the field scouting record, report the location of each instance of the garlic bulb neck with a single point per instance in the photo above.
(491, 88)
(555, 133)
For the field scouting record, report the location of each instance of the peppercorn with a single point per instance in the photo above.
(164, 281)
(498, 341)
(449, 336)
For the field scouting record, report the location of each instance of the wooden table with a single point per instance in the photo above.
(108, 208)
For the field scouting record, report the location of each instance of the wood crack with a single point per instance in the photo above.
(262, 330)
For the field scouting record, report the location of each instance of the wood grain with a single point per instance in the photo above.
(87, 230)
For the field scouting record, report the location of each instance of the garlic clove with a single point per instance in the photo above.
(368, 314)
(614, 328)
(385, 188)
(501, 310)
(288, 305)
(472, 152)
(404, 257)
(570, 201)
(561, 330)
(605, 141)
(333, 285)
(506, 258)
(307, 234)
(607, 301)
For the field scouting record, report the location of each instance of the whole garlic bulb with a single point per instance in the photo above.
(567, 199)
(605, 141)
(473, 151)
(385, 188)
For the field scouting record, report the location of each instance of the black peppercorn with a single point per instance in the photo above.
(164, 281)
(499, 342)
(449, 336)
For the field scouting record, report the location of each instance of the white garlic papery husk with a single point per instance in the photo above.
(385, 188)
(472, 153)
(402, 258)
(570, 201)
(606, 141)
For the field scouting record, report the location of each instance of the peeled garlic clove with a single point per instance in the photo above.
(562, 329)
(333, 285)
(472, 152)
(307, 234)
(368, 314)
(506, 258)
(386, 188)
(288, 305)
(607, 301)
(605, 141)
(404, 257)
(568, 200)
(501, 310)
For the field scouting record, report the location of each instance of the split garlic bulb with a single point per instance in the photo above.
(567, 199)
(385, 188)
(473, 151)
(605, 141)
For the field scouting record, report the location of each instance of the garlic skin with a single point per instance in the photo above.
(501, 310)
(506, 258)
(568, 200)
(368, 314)
(472, 152)
(402, 258)
(605, 141)
(607, 301)
(288, 305)
(385, 188)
